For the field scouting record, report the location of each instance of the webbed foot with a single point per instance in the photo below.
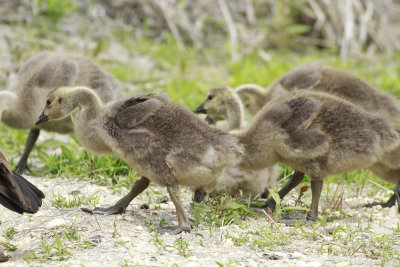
(172, 230)
(294, 221)
(116, 209)
(387, 204)
(22, 167)
(311, 218)
(258, 203)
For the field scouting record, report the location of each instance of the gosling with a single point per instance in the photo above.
(317, 134)
(21, 104)
(221, 103)
(317, 77)
(165, 143)
(314, 133)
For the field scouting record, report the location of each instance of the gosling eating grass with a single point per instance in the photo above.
(222, 96)
(165, 143)
(221, 103)
(22, 103)
(317, 77)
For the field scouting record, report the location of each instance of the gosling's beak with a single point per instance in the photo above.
(42, 118)
(199, 195)
(200, 109)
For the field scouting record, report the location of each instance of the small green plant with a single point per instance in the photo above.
(50, 250)
(163, 222)
(9, 246)
(221, 210)
(157, 241)
(278, 208)
(182, 246)
(51, 11)
(9, 232)
(60, 201)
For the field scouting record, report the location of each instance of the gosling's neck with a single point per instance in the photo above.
(256, 95)
(87, 103)
(88, 106)
(235, 113)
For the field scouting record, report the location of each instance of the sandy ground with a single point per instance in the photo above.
(126, 240)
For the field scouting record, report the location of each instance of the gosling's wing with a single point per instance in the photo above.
(305, 76)
(16, 193)
(137, 109)
(295, 117)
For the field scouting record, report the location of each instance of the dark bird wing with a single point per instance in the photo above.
(16, 193)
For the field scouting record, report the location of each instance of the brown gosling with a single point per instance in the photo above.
(165, 143)
(318, 134)
(221, 103)
(16, 193)
(21, 104)
(317, 77)
(314, 133)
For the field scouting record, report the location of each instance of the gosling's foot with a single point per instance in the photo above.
(294, 221)
(172, 230)
(258, 203)
(311, 218)
(116, 209)
(22, 167)
(383, 204)
(388, 204)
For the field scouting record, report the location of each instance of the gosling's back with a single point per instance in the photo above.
(162, 139)
(318, 134)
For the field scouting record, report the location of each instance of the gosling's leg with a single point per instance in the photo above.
(294, 180)
(22, 165)
(183, 221)
(391, 201)
(316, 189)
(120, 207)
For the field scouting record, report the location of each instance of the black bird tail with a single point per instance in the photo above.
(29, 201)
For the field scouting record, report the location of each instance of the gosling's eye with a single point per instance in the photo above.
(210, 97)
(59, 100)
(48, 102)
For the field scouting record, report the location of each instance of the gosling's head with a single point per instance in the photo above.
(249, 95)
(215, 104)
(58, 105)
